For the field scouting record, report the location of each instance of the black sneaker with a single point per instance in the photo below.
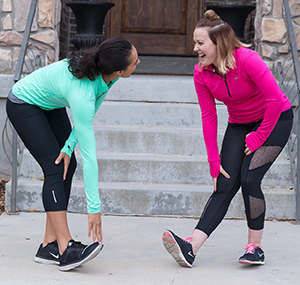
(48, 254)
(77, 253)
(254, 254)
(180, 249)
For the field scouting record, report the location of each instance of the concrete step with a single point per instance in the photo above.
(154, 114)
(154, 88)
(138, 139)
(161, 140)
(153, 199)
(157, 168)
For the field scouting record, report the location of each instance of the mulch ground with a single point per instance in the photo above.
(2, 195)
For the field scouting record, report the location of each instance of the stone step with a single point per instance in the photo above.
(137, 139)
(161, 140)
(154, 88)
(154, 114)
(153, 199)
(157, 168)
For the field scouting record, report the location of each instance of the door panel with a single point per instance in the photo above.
(159, 17)
(156, 27)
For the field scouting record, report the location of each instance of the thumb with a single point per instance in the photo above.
(58, 160)
(222, 170)
(226, 174)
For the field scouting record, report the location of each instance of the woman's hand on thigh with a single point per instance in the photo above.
(247, 150)
(223, 172)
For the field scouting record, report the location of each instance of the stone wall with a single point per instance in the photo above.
(271, 31)
(44, 36)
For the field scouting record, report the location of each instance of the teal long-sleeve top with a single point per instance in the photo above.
(53, 87)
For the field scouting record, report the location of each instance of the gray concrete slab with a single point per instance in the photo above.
(133, 253)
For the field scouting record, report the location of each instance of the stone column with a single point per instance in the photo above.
(44, 32)
(271, 32)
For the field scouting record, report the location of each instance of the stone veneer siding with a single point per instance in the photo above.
(44, 36)
(271, 32)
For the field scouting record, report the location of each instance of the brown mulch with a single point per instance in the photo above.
(2, 195)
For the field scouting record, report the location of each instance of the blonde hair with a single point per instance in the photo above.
(223, 36)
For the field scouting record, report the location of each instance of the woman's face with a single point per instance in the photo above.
(134, 61)
(205, 48)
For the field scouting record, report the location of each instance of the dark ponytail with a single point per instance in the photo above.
(110, 56)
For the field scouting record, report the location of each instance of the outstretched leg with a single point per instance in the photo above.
(217, 205)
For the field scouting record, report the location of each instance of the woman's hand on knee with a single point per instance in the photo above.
(66, 159)
(95, 226)
(223, 172)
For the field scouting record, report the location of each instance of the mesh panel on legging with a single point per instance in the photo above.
(264, 155)
(257, 207)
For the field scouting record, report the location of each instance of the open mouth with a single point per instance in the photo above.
(202, 56)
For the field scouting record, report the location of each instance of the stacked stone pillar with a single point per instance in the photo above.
(271, 32)
(44, 36)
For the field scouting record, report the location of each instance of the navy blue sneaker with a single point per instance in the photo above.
(254, 254)
(48, 254)
(180, 249)
(77, 253)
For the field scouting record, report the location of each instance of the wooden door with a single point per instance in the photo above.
(155, 27)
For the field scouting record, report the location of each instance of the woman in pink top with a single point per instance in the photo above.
(259, 124)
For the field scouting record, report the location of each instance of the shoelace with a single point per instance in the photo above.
(78, 246)
(188, 239)
(250, 247)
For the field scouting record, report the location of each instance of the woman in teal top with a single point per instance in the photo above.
(36, 108)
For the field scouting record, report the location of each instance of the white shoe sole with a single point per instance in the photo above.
(45, 261)
(252, 262)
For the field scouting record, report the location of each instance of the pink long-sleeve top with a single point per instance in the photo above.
(250, 93)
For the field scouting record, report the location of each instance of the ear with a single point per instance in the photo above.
(119, 73)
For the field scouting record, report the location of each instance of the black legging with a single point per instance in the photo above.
(44, 134)
(246, 171)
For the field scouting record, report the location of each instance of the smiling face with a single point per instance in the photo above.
(134, 61)
(205, 48)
